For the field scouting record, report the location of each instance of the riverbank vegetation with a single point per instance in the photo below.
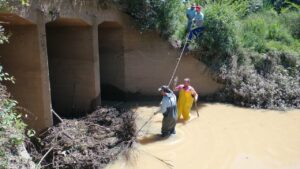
(251, 46)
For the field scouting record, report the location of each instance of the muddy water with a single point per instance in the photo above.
(223, 137)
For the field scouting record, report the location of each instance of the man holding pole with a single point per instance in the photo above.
(169, 111)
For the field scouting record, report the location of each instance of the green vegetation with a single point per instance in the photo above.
(12, 127)
(6, 5)
(252, 46)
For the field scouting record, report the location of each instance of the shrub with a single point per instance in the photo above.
(218, 41)
(172, 19)
(166, 17)
(267, 84)
(253, 34)
(12, 129)
(146, 13)
(291, 20)
(219, 34)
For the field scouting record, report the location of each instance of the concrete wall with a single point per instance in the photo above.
(70, 66)
(112, 66)
(22, 59)
(150, 61)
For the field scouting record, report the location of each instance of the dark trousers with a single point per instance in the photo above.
(195, 32)
(169, 121)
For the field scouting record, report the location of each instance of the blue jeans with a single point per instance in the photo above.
(195, 32)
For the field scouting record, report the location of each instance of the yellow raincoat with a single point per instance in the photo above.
(185, 102)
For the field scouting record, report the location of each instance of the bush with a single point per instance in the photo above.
(253, 34)
(166, 17)
(146, 13)
(265, 31)
(3, 36)
(219, 34)
(12, 128)
(267, 84)
(12, 131)
(291, 20)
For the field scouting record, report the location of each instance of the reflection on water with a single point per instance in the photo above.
(223, 137)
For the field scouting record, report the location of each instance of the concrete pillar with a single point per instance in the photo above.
(96, 65)
(45, 81)
(24, 58)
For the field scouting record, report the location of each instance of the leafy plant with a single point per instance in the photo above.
(12, 128)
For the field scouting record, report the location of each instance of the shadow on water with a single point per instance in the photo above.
(151, 139)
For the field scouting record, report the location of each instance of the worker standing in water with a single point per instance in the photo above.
(169, 111)
(187, 95)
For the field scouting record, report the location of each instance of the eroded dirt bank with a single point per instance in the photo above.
(223, 137)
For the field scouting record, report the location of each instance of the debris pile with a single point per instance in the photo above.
(89, 142)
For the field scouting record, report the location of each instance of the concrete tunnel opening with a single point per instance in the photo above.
(21, 58)
(112, 62)
(70, 56)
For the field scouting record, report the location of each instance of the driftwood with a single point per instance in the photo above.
(89, 142)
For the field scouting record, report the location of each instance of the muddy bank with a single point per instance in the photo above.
(89, 142)
(223, 137)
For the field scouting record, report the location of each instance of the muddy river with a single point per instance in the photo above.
(223, 137)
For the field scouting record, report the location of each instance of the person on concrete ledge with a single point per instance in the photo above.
(190, 14)
(187, 95)
(198, 23)
(169, 111)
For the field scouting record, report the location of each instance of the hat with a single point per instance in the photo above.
(198, 8)
(164, 88)
(193, 5)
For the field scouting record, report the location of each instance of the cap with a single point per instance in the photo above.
(164, 88)
(198, 8)
(193, 5)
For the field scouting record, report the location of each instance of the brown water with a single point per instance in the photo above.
(223, 137)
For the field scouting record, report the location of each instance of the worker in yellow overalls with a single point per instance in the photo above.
(187, 95)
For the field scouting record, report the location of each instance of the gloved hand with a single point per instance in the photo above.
(195, 97)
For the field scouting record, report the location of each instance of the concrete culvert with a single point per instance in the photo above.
(112, 64)
(71, 66)
(21, 57)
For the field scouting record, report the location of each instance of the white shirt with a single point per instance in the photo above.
(199, 19)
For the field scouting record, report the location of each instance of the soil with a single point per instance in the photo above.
(89, 142)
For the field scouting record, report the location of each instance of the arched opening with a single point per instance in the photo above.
(111, 53)
(70, 54)
(21, 58)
